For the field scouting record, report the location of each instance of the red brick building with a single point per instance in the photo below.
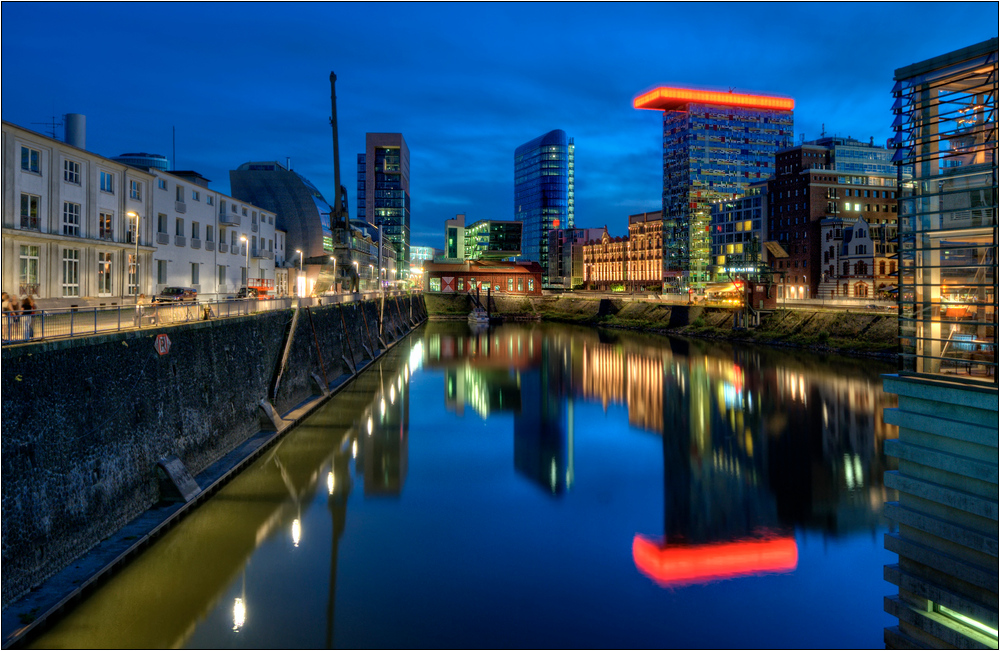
(825, 179)
(519, 278)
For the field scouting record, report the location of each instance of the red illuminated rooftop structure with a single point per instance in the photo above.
(680, 565)
(675, 99)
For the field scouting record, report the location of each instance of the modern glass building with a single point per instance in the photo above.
(714, 146)
(946, 130)
(384, 192)
(945, 516)
(543, 193)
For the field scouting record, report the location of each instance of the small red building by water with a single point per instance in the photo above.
(517, 278)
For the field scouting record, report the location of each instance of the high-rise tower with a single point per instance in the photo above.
(384, 192)
(543, 193)
(714, 146)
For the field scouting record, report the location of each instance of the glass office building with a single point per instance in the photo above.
(946, 129)
(714, 146)
(543, 193)
(384, 192)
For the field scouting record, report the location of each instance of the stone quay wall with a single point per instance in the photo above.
(85, 421)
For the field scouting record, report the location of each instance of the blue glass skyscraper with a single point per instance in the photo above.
(543, 193)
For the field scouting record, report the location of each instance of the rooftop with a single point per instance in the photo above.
(674, 99)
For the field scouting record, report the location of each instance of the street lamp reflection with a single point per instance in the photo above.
(239, 614)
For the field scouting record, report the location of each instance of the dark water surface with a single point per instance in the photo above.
(538, 486)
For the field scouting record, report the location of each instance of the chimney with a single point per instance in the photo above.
(76, 130)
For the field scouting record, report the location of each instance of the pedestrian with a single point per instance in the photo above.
(28, 310)
(15, 319)
(7, 317)
(139, 302)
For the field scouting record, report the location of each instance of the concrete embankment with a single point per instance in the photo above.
(86, 421)
(856, 331)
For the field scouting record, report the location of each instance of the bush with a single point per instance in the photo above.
(699, 322)
(823, 336)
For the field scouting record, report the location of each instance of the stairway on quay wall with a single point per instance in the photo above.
(86, 421)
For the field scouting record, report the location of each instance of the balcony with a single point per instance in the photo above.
(223, 247)
(209, 245)
(180, 207)
(162, 238)
(253, 227)
(229, 218)
(262, 254)
(179, 240)
(195, 244)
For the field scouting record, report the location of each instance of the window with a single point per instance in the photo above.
(135, 190)
(531, 284)
(847, 268)
(161, 223)
(105, 226)
(161, 272)
(254, 216)
(209, 234)
(71, 272)
(161, 184)
(233, 233)
(210, 200)
(104, 273)
(179, 228)
(71, 219)
(244, 211)
(133, 275)
(107, 182)
(195, 270)
(195, 195)
(461, 284)
(195, 231)
(28, 270)
(510, 284)
(71, 173)
(29, 211)
(222, 274)
(232, 207)
(179, 194)
(31, 160)
(520, 284)
(435, 284)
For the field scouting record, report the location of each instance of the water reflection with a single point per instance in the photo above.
(755, 445)
(755, 442)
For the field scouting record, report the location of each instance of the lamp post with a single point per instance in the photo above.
(243, 238)
(132, 213)
(334, 260)
(301, 283)
(357, 274)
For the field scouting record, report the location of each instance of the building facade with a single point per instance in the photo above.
(566, 255)
(830, 178)
(499, 278)
(384, 192)
(210, 241)
(73, 223)
(945, 517)
(714, 146)
(644, 269)
(606, 263)
(544, 170)
(738, 231)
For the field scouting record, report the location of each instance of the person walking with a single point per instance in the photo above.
(28, 310)
(15, 319)
(8, 317)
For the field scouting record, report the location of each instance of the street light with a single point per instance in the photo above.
(357, 274)
(132, 213)
(301, 281)
(334, 260)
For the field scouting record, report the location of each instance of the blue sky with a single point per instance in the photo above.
(465, 83)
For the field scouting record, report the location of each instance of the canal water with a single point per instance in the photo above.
(537, 486)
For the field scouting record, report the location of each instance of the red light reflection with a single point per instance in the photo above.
(680, 565)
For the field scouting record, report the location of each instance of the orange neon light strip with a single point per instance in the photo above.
(666, 99)
(679, 565)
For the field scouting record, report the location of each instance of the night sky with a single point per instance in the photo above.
(465, 83)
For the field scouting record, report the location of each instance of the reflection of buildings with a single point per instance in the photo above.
(543, 436)
(386, 442)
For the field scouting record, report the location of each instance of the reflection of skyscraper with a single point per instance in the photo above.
(386, 444)
(542, 436)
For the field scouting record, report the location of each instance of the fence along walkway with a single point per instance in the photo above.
(77, 322)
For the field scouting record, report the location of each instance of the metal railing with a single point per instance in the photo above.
(64, 323)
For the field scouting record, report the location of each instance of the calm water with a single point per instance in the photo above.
(538, 486)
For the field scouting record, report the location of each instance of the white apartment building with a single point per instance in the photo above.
(70, 219)
(69, 223)
(209, 241)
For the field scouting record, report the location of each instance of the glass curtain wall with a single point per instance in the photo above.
(945, 128)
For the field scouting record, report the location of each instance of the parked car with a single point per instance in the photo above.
(176, 295)
(248, 292)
